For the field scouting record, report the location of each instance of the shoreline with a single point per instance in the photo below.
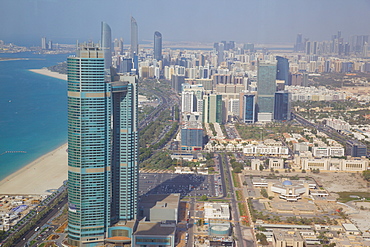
(43, 175)
(40, 177)
(46, 72)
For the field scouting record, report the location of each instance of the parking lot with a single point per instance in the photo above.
(185, 184)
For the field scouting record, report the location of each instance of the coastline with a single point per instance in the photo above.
(43, 175)
(46, 72)
(40, 177)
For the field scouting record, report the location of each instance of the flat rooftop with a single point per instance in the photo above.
(157, 228)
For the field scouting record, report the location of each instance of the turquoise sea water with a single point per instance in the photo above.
(33, 110)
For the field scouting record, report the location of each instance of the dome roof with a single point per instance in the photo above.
(287, 183)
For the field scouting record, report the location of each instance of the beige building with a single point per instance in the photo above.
(287, 239)
(335, 164)
(276, 164)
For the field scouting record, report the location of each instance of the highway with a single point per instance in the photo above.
(21, 242)
(234, 206)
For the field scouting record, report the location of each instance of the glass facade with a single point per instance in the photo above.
(157, 46)
(266, 86)
(88, 148)
(124, 151)
(282, 69)
(282, 106)
(102, 149)
(249, 107)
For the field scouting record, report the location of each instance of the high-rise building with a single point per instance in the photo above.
(50, 45)
(220, 52)
(126, 65)
(282, 69)
(299, 45)
(157, 46)
(266, 88)
(249, 47)
(125, 169)
(249, 108)
(356, 149)
(282, 107)
(89, 161)
(106, 44)
(188, 101)
(118, 46)
(102, 152)
(44, 44)
(213, 108)
(134, 38)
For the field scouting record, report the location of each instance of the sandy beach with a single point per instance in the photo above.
(45, 71)
(40, 177)
(44, 174)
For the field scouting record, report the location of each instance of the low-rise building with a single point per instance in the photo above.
(288, 239)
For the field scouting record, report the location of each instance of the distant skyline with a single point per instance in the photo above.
(24, 22)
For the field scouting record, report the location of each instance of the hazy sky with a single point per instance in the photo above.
(24, 22)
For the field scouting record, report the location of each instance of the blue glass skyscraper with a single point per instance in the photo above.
(282, 108)
(88, 147)
(282, 69)
(102, 152)
(249, 108)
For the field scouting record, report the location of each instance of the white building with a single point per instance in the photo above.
(216, 211)
(328, 151)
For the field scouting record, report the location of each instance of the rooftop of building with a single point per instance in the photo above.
(170, 201)
(284, 235)
(157, 228)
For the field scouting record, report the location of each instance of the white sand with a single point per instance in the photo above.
(45, 71)
(40, 176)
(43, 175)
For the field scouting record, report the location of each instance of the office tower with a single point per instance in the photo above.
(192, 136)
(44, 45)
(231, 45)
(282, 109)
(102, 151)
(308, 48)
(299, 46)
(249, 47)
(188, 101)
(106, 43)
(355, 148)
(88, 146)
(126, 65)
(266, 88)
(157, 46)
(118, 46)
(50, 45)
(282, 69)
(249, 108)
(212, 108)
(134, 38)
(220, 53)
(176, 82)
(125, 169)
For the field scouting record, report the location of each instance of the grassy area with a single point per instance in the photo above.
(239, 196)
(346, 196)
(235, 180)
(32, 242)
(243, 212)
(218, 200)
(268, 131)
